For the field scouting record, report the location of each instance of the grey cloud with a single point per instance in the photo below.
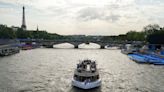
(112, 17)
(91, 13)
(149, 2)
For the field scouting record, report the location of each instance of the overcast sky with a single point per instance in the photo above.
(89, 17)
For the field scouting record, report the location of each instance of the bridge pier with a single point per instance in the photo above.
(102, 47)
(76, 46)
(49, 46)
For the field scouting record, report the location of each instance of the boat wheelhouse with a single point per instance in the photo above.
(86, 75)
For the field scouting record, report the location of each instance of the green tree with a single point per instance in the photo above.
(135, 36)
(151, 28)
(23, 34)
(6, 32)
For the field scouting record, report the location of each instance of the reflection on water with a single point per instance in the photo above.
(51, 70)
(81, 46)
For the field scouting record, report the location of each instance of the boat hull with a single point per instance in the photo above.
(139, 58)
(88, 85)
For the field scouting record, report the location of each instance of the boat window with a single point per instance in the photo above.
(75, 77)
(97, 76)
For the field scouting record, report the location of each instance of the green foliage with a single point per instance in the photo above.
(122, 37)
(6, 32)
(150, 29)
(135, 36)
(23, 34)
(149, 33)
(156, 37)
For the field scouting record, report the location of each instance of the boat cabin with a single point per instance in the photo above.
(84, 78)
(86, 70)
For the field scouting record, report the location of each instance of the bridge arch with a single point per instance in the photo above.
(89, 45)
(75, 44)
(63, 45)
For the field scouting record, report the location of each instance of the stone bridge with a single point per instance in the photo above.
(76, 43)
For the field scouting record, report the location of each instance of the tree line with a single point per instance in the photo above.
(152, 33)
(9, 33)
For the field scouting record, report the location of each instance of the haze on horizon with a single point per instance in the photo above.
(89, 17)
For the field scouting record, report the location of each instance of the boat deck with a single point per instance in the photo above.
(86, 73)
(86, 68)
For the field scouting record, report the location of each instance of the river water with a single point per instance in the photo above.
(51, 70)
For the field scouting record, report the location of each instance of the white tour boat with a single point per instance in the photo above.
(86, 75)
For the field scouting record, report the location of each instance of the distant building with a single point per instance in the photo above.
(14, 28)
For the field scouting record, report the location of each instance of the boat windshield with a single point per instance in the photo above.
(83, 78)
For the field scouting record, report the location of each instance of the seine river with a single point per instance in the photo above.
(51, 70)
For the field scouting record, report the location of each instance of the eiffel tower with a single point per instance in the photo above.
(23, 26)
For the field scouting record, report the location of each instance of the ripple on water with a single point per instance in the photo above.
(51, 70)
